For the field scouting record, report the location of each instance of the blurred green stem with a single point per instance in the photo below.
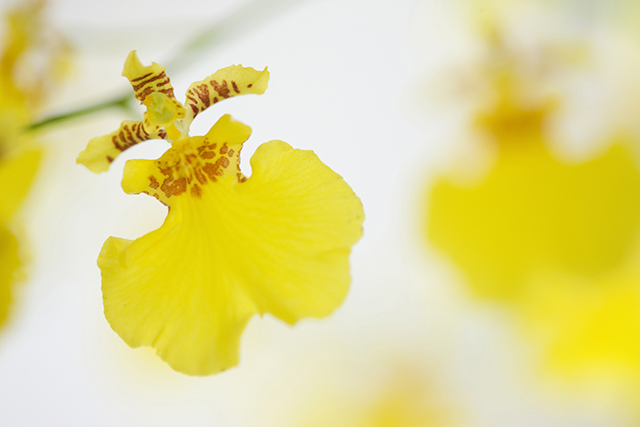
(120, 102)
(246, 18)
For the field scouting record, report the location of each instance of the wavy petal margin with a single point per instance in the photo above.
(277, 243)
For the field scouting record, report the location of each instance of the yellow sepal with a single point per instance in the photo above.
(146, 79)
(225, 83)
(102, 150)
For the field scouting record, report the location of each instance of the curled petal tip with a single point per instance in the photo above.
(132, 66)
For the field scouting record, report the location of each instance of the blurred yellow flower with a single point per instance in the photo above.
(533, 213)
(22, 92)
(585, 331)
(231, 246)
(18, 169)
(589, 327)
(557, 241)
(405, 401)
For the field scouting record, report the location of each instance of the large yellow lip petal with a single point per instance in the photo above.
(307, 218)
(172, 299)
(276, 243)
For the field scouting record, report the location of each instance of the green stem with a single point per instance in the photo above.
(120, 102)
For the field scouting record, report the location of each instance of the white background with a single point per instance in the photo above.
(350, 80)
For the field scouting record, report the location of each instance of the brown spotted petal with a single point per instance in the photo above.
(223, 84)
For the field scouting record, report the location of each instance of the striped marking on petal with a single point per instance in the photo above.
(102, 150)
(146, 79)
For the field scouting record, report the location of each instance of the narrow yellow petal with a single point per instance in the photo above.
(225, 83)
(153, 89)
(18, 171)
(276, 243)
(102, 150)
(146, 79)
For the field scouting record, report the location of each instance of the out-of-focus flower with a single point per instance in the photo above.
(557, 241)
(18, 170)
(585, 331)
(588, 327)
(231, 246)
(23, 89)
(406, 402)
(533, 213)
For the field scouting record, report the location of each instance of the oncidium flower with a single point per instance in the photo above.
(231, 246)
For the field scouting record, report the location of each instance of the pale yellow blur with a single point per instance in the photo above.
(23, 91)
(556, 241)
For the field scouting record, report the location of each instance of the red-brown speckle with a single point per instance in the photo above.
(222, 89)
(196, 191)
(174, 188)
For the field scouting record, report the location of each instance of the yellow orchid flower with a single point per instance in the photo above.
(277, 242)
